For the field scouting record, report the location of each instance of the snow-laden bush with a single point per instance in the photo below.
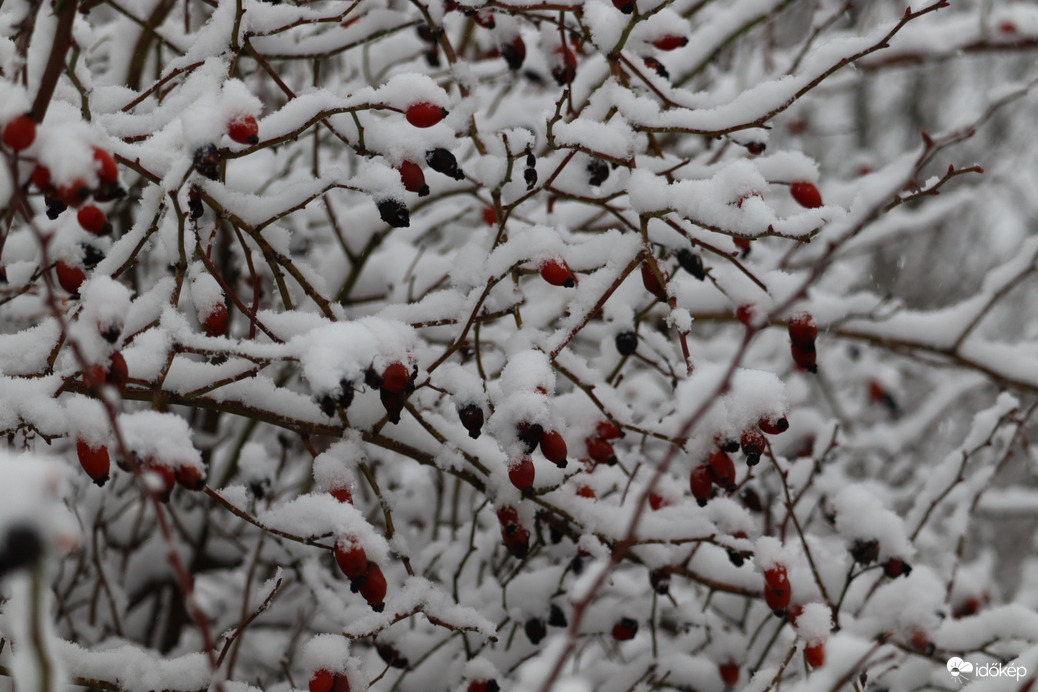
(521, 345)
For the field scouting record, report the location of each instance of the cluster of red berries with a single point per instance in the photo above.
(116, 374)
(97, 464)
(802, 334)
(718, 469)
(394, 383)
(365, 576)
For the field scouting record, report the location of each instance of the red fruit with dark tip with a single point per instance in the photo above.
(553, 447)
(670, 42)
(722, 470)
(70, 277)
(395, 378)
(75, 193)
(607, 431)
(351, 558)
(625, 6)
(413, 178)
(118, 374)
(162, 481)
(743, 244)
(806, 195)
(93, 220)
(374, 587)
(701, 482)
(190, 478)
(20, 133)
(95, 461)
(107, 170)
(895, 567)
(600, 451)
(776, 576)
(41, 177)
(729, 673)
(484, 686)
(341, 684)
(815, 654)
(425, 114)
(565, 68)
(556, 272)
(773, 426)
(752, 444)
(777, 591)
(514, 52)
(920, 640)
(322, 681)
(656, 501)
(244, 129)
(652, 282)
(522, 473)
(625, 629)
(216, 321)
(803, 330)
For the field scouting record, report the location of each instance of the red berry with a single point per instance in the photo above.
(652, 282)
(216, 321)
(722, 470)
(776, 577)
(522, 473)
(586, 491)
(806, 195)
(374, 587)
(93, 220)
(395, 378)
(190, 478)
(794, 613)
(554, 448)
(166, 479)
(342, 494)
(806, 359)
(746, 314)
(729, 673)
(118, 374)
(556, 272)
(95, 461)
(244, 129)
(425, 114)
(803, 330)
(656, 501)
(322, 681)
(484, 686)
(743, 244)
(1007, 26)
(514, 52)
(508, 516)
(625, 6)
(20, 133)
(600, 451)
(107, 170)
(920, 639)
(625, 629)
(670, 42)
(607, 431)
(489, 216)
(485, 19)
(351, 558)
(41, 177)
(565, 68)
(75, 193)
(413, 178)
(94, 377)
(895, 567)
(773, 426)
(701, 483)
(70, 277)
(752, 444)
(815, 654)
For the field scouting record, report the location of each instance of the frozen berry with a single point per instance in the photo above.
(627, 342)
(425, 114)
(522, 473)
(729, 672)
(625, 6)
(692, 263)
(244, 129)
(814, 653)
(553, 446)
(471, 416)
(652, 282)
(374, 587)
(107, 170)
(443, 161)
(536, 630)
(93, 220)
(95, 461)
(556, 272)
(752, 444)
(351, 558)
(70, 277)
(722, 470)
(565, 68)
(413, 178)
(394, 212)
(217, 320)
(396, 377)
(701, 483)
(896, 567)
(670, 42)
(625, 629)
(190, 478)
(600, 451)
(514, 53)
(322, 681)
(20, 133)
(806, 194)
(803, 330)
(773, 426)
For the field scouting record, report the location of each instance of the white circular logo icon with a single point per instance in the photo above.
(956, 666)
